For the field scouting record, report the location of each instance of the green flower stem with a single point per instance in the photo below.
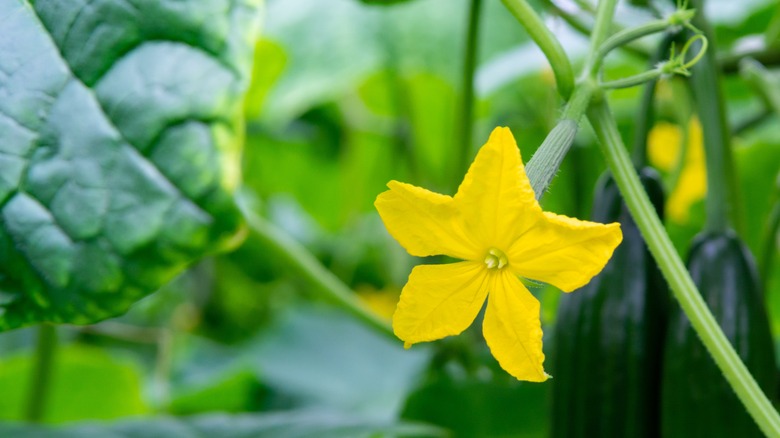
(326, 286)
(542, 167)
(757, 404)
(465, 126)
(551, 47)
(45, 349)
(544, 164)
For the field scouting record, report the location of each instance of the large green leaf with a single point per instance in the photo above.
(274, 425)
(356, 371)
(120, 128)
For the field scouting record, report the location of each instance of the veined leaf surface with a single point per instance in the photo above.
(120, 132)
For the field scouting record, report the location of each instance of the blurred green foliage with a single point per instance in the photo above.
(344, 97)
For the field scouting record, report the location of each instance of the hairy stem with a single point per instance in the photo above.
(740, 379)
(544, 164)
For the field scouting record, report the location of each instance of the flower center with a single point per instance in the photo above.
(496, 259)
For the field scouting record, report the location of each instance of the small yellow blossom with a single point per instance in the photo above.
(495, 225)
(380, 301)
(664, 143)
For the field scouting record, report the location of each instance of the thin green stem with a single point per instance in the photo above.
(544, 164)
(646, 113)
(401, 102)
(683, 150)
(547, 42)
(572, 19)
(604, 13)
(584, 29)
(644, 121)
(586, 6)
(769, 57)
(757, 76)
(465, 125)
(37, 396)
(677, 65)
(751, 121)
(161, 375)
(769, 240)
(628, 35)
(325, 284)
(748, 391)
(579, 102)
(772, 32)
(721, 202)
(633, 81)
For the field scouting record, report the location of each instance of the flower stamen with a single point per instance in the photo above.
(496, 259)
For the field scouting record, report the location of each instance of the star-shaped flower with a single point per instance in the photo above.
(497, 228)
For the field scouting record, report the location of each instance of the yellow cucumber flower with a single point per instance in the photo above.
(664, 143)
(497, 228)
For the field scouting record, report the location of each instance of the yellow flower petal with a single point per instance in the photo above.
(563, 251)
(692, 183)
(496, 198)
(695, 150)
(382, 302)
(440, 300)
(512, 328)
(664, 150)
(663, 145)
(691, 187)
(424, 222)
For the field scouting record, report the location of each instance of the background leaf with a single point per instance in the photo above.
(120, 128)
(87, 383)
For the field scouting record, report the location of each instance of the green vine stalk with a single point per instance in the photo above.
(465, 126)
(40, 383)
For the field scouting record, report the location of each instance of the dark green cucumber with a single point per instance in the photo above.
(697, 401)
(606, 356)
